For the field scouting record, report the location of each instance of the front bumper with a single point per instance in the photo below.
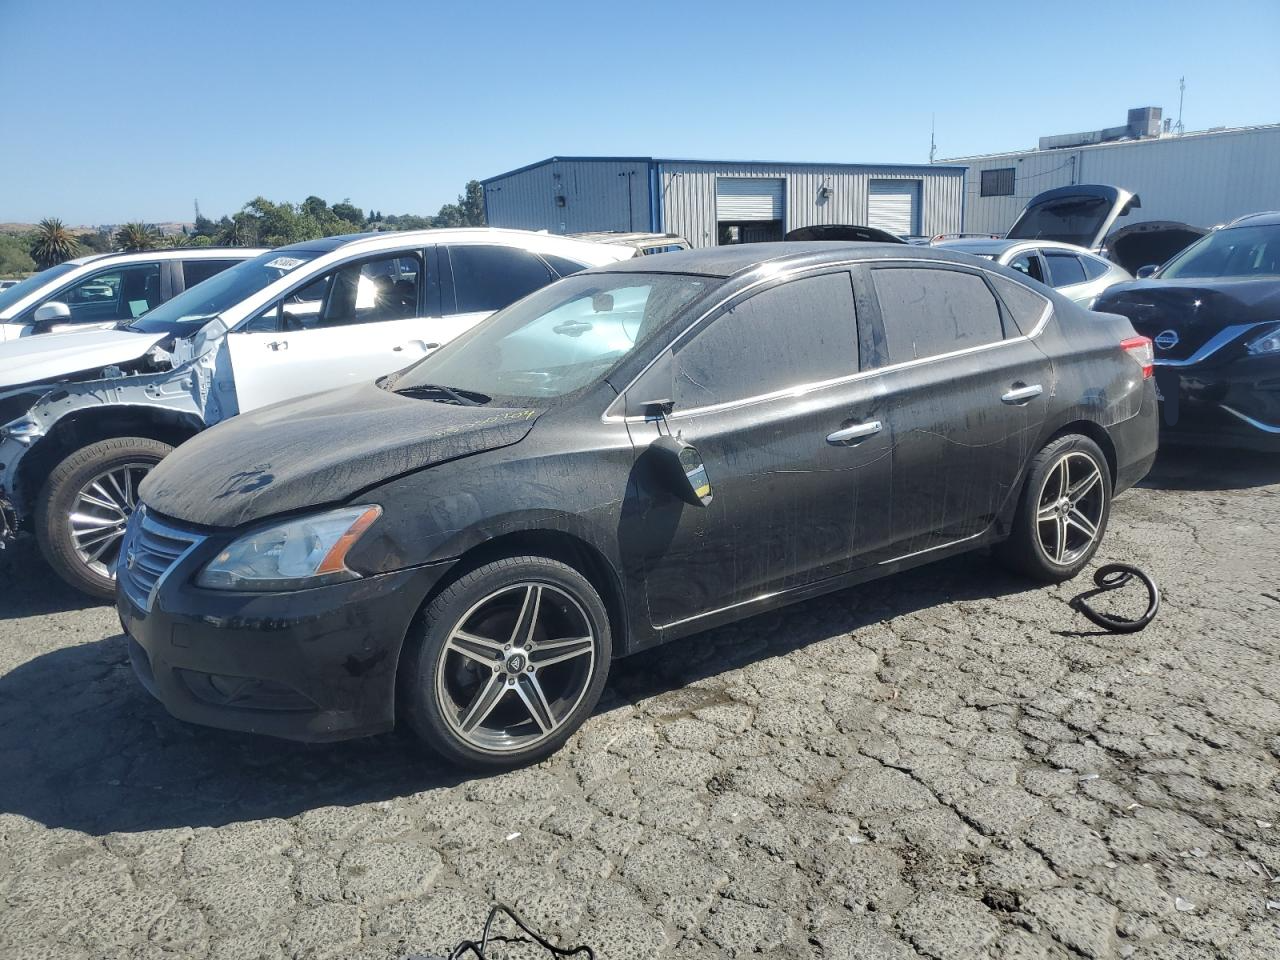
(1232, 403)
(312, 665)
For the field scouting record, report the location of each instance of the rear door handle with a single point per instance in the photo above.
(1022, 394)
(857, 431)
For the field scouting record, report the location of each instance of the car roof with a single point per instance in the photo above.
(1268, 219)
(396, 238)
(737, 258)
(169, 253)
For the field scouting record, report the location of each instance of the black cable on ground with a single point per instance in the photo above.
(1112, 576)
(480, 950)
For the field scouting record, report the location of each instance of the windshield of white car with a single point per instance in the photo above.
(190, 310)
(33, 283)
(1233, 252)
(555, 342)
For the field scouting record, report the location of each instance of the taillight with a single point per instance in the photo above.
(1143, 352)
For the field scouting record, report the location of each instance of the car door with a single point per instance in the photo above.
(480, 278)
(965, 395)
(768, 391)
(358, 321)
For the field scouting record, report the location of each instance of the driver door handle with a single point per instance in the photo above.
(1022, 394)
(279, 344)
(855, 432)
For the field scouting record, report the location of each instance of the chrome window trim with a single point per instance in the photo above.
(1213, 344)
(611, 415)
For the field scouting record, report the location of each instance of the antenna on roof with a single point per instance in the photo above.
(933, 146)
(1182, 89)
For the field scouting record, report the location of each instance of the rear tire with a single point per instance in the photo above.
(1062, 511)
(98, 485)
(506, 663)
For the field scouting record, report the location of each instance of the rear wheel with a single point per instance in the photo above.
(1062, 513)
(506, 663)
(85, 505)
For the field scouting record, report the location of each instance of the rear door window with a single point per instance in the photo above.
(931, 311)
(488, 278)
(797, 333)
(1065, 269)
(196, 271)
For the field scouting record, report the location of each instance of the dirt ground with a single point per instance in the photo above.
(949, 763)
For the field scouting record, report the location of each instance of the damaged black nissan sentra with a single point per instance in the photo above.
(628, 456)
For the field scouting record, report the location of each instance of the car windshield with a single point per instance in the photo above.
(33, 283)
(556, 341)
(191, 309)
(1234, 252)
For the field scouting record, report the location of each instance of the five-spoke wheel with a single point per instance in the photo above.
(508, 662)
(1062, 513)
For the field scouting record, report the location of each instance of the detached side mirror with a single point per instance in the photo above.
(1147, 271)
(47, 314)
(681, 467)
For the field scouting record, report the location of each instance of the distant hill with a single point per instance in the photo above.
(168, 227)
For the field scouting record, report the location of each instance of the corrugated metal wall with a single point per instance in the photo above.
(595, 197)
(1202, 179)
(688, 195)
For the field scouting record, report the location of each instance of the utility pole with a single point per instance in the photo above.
(933, 145)
(1182, 89)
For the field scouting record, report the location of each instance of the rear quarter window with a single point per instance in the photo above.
(1023, 305)
(931, 311)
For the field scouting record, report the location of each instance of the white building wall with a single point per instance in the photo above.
(1199, 178)
(687, 195)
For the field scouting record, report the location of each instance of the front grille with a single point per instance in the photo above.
(150, 550)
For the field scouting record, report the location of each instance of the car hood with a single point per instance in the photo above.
(1081, 214)
(319, 450)
(53, 356)
(1192, 310)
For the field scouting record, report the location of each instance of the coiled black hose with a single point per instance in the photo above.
(1112, 576)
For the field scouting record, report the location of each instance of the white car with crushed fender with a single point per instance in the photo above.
(85, 416)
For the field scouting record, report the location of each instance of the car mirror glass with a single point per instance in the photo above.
(683, 470)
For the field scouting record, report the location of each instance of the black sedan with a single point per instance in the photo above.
(624, 458)
(1213, 312)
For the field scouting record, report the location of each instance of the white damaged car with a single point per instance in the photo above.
(85, 416)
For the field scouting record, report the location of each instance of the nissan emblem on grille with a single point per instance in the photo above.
(1166, 339)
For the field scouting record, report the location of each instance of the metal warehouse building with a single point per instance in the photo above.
(1202, 178)
(710, 202)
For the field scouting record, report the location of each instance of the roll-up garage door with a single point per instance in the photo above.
(748, 199)
(894, 205)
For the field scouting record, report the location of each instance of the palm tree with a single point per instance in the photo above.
(53, 244)
(137, 236)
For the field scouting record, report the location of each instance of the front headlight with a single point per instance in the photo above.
(307, 552)
(1267, 343)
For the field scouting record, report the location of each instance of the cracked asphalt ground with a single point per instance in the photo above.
(949, 763)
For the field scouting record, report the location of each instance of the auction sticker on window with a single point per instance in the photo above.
(285, 263)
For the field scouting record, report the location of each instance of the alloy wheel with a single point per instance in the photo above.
(515, 667)
(1070, 507)
(100, 513)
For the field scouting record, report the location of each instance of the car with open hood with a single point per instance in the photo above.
(84, 417)
(1073, 271)
(101, 290)
(1213, 313)
(625, 457)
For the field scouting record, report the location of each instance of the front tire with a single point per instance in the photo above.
(84, 506)
(506, 663)
(1062, 512)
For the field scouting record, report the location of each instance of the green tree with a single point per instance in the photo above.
(472, 204)
(14, 256)
(352, 214)
(137, 236)
(53, 243)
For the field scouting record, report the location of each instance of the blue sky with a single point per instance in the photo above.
(130, 110)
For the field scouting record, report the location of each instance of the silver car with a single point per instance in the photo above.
(1073, 271)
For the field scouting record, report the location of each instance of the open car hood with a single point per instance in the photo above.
(319, 450)
(1082, 214)
(56, 356)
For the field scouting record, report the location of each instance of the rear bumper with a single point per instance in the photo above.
(1226, 404)
(1136, 440)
